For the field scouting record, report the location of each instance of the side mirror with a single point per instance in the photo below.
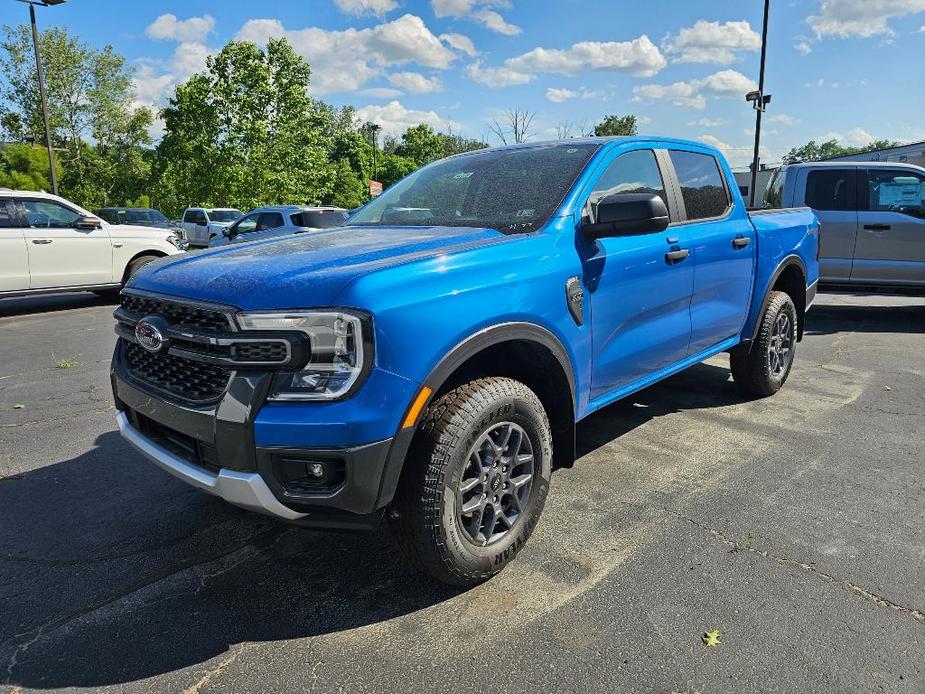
(628, 214)
(88, 222)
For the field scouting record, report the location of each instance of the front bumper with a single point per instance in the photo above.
(214, 449)
(244, 489)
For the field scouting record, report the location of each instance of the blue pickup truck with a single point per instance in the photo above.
(426, 364)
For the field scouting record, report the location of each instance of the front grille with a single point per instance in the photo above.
(181, 378)
(178, 314)
(260, 351)
(191, 450)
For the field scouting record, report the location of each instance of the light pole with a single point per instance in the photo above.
(38, 72)
(759, 102)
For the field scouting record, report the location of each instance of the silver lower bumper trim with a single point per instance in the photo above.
(244, 489)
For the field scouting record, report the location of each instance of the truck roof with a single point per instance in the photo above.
(600, 141)
(842, 164)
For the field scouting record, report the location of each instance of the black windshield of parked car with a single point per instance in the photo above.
(137, 216)
(225, 215)
(319, 219)
(511, 190)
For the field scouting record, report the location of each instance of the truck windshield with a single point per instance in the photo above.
(511, 190)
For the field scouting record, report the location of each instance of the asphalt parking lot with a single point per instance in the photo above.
(795, 525)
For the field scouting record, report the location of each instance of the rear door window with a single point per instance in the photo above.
(895, 191)
(831, 189)
(703, 187)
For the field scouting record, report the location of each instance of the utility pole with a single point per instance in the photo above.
(41, 78)
(759, 102)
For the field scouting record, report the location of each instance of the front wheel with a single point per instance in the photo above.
(763, 367)
(475, 481)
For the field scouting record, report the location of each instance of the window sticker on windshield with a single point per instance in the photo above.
(531, 212)
(462, 175)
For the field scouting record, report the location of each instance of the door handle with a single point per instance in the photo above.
(41, 242)
(741, 241)
(877, 227)
(677, 256)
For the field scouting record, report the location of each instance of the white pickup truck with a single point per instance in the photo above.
(202, 224)
(50, 245)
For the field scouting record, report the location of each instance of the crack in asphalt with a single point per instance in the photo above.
(35, 634)
(808, 568)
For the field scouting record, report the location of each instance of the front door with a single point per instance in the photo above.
(891, 228)
(832, 195)
(59, 254)
(14, 260)
(723, 247)
(640, 300)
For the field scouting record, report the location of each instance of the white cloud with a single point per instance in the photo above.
(477, 11)
(460, 42)
(155, 80)
(637, 57)
(168, 28)
(859, 136)
(690, 94)
(380, 92)
(494, 21)
(803, 47)
(922, 29)
(709, 122)
(738, 157)
(496, 77)
(712, 42)
(558, 96)
(863, 18)
(346, 60)
(783, 119)
(361, 7)
(394, 118)
(416, 83)
(561, 95)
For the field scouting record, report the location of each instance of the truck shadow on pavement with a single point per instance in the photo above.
(111, 571)
(53, 302)
(829, 319)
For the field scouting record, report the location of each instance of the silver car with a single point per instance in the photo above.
(280, 220)
(872, 217)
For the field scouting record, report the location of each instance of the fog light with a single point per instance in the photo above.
(316, 470)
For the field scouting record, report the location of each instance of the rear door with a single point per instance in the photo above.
(890, 245)
(831, 193)
(59, 254)
(14, 259)
(721, 239)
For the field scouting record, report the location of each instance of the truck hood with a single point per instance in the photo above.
(305, 270)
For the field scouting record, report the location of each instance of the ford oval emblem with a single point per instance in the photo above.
(149, 335)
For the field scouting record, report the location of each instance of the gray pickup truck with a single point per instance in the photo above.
(872, 217)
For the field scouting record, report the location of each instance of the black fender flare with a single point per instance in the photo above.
(788, 261)
(449, 363)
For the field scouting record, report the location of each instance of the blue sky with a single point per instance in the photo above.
(849, 69)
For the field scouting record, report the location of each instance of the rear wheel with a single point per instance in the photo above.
(763, 367)
(475, 481)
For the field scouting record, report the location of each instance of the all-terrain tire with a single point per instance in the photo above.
(762, 367)
(426, 515)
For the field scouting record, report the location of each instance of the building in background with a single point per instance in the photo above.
(744, 180)
(913, 153)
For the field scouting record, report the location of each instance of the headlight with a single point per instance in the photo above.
(177, 242)
(340, 352)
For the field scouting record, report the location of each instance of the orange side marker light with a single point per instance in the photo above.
(416, 407)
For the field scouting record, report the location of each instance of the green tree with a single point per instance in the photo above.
(812, 151)
(246, 133)
(420, 144)
(90, 98)
(616, 125)
(393, 167)
(24, 167)
(348, 190)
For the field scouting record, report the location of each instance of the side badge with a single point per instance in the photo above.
(575, 300)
